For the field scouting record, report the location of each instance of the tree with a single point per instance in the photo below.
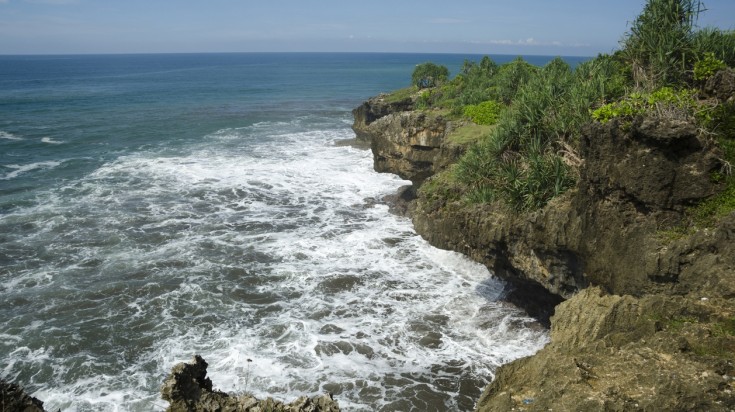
(659, 45)
(429, 75)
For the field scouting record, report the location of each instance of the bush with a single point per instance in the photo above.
(664, 102)
(720, 43)
(707, 67)
(485, 113)
(429, 75)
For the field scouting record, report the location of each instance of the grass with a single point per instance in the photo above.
(470, 133)
(401, 94)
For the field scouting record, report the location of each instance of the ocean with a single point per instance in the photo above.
(153, 207)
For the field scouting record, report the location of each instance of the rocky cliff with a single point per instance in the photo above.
(411, 144)
(648, 319)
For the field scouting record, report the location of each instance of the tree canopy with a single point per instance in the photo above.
(429, 75)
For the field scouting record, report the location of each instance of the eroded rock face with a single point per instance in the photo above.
(648, 322)
(410, 144)
(633, 184)
(722, 85)
(13, 398)
(620, 353)
(374, 109)
(187, 389)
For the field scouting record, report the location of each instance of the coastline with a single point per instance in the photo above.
(632, 313)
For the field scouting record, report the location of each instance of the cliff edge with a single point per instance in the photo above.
(647, 320)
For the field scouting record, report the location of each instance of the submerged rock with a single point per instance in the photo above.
(188, 389)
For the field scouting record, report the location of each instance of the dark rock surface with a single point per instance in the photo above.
(14, 399)
(187, 389)
(632, 184)
(722, 85)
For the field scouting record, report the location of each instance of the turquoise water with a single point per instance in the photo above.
(157, 206)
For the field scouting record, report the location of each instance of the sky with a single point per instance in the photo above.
(521, 27)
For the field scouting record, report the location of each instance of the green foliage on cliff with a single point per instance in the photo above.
(664, 102)
(530, 155)
(485, 113)
(429, 75)
(708, 66)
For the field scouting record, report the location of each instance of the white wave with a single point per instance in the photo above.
(9, 136)
(275, 252)
(50, 140)
(20, 169)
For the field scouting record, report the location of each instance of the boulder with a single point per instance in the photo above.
(187, 389)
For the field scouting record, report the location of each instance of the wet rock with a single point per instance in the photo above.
(14, 398)
(187, 389)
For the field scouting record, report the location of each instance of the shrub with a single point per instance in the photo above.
(720, 43)
(485, 113)
(707, 67)
(664, 102)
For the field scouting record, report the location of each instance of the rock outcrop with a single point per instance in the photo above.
(13, 398)
(187, 389)
(411, 144)
(606, 232)
(620, 353)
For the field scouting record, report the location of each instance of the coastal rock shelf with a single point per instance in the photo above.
(646, 318)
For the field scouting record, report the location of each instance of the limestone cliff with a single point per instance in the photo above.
(648, 322)
(411, 144)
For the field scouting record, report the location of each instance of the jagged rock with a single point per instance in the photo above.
(411, 144)
(657, 330)
(374, 109)
(633, 183)
(187, 389)
(13, 398)
(721, 85)
(620, 353)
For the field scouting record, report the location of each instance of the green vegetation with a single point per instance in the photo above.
(529, 154)
(429, 75)
(485, 113)
(471, 133)
(708, 66)
(401, 94)
(664, 102)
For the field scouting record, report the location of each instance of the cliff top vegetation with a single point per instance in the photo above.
(530, 154)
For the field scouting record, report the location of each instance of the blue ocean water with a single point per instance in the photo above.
(153, 207)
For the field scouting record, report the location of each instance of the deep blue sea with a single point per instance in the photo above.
(153, 207)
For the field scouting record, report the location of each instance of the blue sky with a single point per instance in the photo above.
(549, 27)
